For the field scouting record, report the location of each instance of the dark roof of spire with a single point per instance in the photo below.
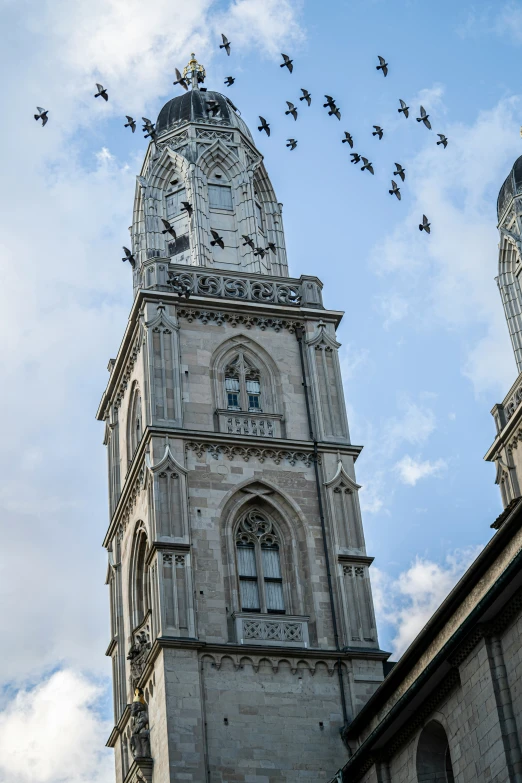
(192, 107)
(511, 187)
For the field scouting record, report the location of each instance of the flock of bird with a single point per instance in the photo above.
(213, 108)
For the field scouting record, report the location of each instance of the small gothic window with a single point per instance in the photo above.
(135, 424)
(259, 216)
(242, 386)
(433, 755)
(220, 196)
(173, 203)
(141, 598)
(259, 565)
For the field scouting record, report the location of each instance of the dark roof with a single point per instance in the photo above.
(192, 107)
(511, 186)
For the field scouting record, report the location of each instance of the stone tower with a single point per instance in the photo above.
(243, 635)
(505, 451)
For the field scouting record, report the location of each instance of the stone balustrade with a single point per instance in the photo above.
(273, 630)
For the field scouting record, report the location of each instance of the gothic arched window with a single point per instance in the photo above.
(242, 385)
(259, 565)
(140, 587)
(433, 755)
(135, 423)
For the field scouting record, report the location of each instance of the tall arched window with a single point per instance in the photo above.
(433, 755)
(140, 587)
(135, 423)
(243, 385)
(259, 565)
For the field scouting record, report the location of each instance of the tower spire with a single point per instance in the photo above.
(194, 72)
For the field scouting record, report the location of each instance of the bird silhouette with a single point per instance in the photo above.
(180, 80)
(291, 110)
(335, 111)
(355, 157)
(378, 132)
(264, 126)
(217, 240)
(330, 102)
(102, 91)
(424, 118)
(443, 140)
(292, 143)
(168, 228)
(404, 109)
(348, 138)
(179, 286)
(130, 123)
(149, 131)
(383, 65)
(225, 45)
(42, 115)
(400, 171)
(248, 241)
(288, 63)
(260, 251)
(395, 190)
(367, 166)
(229, 81)
(271, 246)
(129, 257)
(187, 207)
(306, 96)
(425, 225)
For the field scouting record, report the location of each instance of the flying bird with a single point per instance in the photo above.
(168, 228)
(225, 45)
(229, 81)
(288, 63)
(291, 110)
(187, 207)
(306, 96)
(180, 80)
(383, 65)
(248, 241)
(378, 132)
(367, 166)
(424, 118)
(348, 138)
(395, 190)
(42, 115)
(260, 251)
(400, 171)
(264, 126)
(443, 140)
(217, 240)
(129, 257)
(330, 102)
(355, 157)
(149, 130)
(130, 123)
(102, 91)
(271, 246)
(292, 143)
(213, 108)
(404, 109)
(425, 225)
(180, 287)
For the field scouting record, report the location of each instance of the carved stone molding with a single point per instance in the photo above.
(247, 452)
(296, 664)
(131, 361)
(244, 288)
(137, 486)
(235, 319)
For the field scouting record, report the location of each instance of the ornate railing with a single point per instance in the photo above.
(239, 423)
(271, 630)
(228, 287)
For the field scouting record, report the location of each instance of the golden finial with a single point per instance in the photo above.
(194, 72)
(138, 695)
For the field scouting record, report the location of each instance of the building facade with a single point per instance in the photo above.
(450, 710)
(243, 637)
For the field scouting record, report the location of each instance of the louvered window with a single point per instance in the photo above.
(259, 565)
(220, 196)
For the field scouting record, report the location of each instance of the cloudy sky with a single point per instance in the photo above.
(425, 348)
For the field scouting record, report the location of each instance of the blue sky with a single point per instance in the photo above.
(425, 351)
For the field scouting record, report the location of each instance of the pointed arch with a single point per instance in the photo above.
(254, 361)
(343, 502)
(168, 500)
(218, 154)
(433, 761)
(139, 577)
(322, 351)
(134, 422)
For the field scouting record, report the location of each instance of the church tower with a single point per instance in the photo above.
(506, 451)
(243, 635)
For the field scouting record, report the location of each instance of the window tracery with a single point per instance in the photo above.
(242, 385)
(259, 565)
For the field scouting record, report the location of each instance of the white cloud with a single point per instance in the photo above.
(414, 426)
(411, 470)
(408, 601)
(452, 271)
(52, 733)
(393, 307)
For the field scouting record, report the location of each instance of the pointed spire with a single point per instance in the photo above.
(194, 73)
